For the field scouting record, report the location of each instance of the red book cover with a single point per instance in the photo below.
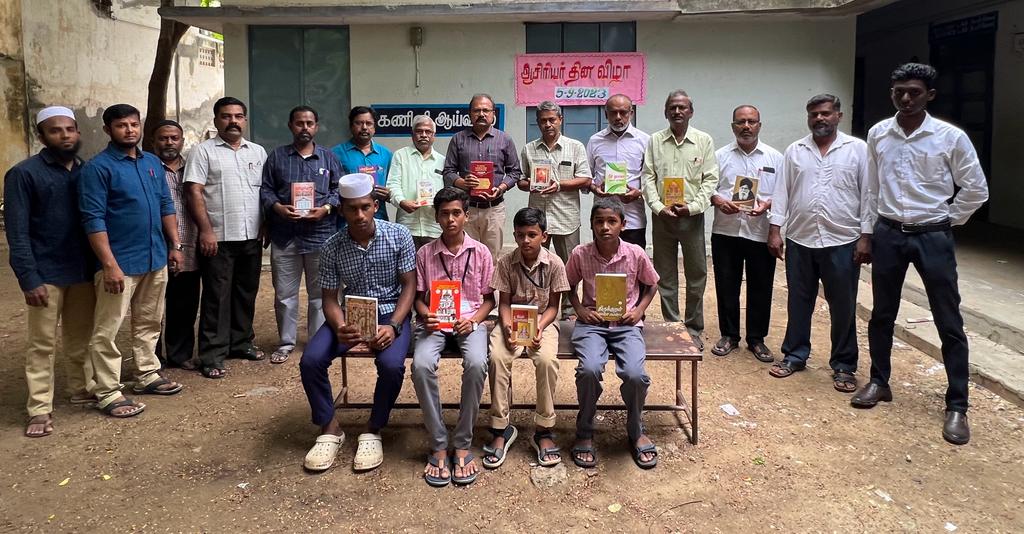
(484, 172)
(445, 302)
(303, 196)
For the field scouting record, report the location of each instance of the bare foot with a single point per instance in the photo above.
(39, 426)
(441, 471)
(467, 470)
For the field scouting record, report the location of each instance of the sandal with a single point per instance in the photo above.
(509, 433)
(724, 346)
(543, 452)
(644, 449)
(784, 369)
(252, 354)
(584, 449)
(46, 430)
(280, 356)
(214, 372)
(761, 352)
(463, 462)
(844, 381)
(153, 388)
(438, 482)
(109, 409)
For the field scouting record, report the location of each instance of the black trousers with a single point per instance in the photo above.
(231, 279)
(637, 236)
(934, 257)
(730, 256)
(178, 338)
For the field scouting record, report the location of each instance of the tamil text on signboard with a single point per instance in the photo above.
(580, 79)
(395, 120)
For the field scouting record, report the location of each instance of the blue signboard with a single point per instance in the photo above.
(395, 120)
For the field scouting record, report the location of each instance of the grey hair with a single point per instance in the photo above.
(420, 119)
(480, 95)
(548, 105)
(676, 93)
(824, 98)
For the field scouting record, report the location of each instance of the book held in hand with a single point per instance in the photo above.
(484, 172)
(303, 197)
(361, 312)
(744, 193)
(524, 324)
(445, 302)
(542, 177)
(615, 181)
(674, 189)
(611, 295)
(424, 193)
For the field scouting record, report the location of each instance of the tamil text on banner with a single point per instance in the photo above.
(580, 79)
(395, 120)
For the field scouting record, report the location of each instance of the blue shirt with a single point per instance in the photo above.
(377, 163)
(126, 198)
(285, 166)
(373, 271)
(44, 232)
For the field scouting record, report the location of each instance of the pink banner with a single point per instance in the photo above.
(580, 79)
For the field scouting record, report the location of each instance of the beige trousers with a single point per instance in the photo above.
(545, 362)
(72, 308)
(143, 296)
(487, 226)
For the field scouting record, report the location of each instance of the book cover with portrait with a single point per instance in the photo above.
(744, 192)
(524, 324)
(445, 302)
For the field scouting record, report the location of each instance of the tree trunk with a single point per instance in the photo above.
(171, 31)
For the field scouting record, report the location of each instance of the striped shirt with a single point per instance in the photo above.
(496, 146)
(530, 285)
(586, 262)
(232, 180)
(408, 169)
(188, 234)
(568, 160)
(605, 147)
(373, 271)
(286, 166)
(472, 265)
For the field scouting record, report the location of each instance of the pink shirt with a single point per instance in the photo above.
(472, 265)
(586, 262)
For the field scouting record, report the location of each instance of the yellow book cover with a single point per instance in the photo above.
(611, 295)
(524, 324)
(673, 192)
(361, 312)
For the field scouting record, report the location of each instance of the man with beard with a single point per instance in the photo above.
(916, 160)
(823, 201)
(483, 142)
(51, 259)
(414, 179)
(738, 238)
(680, 151)
(128, 216)
(178, 338)
(223, 177)
(296, 235)
(362, 154)
(623, 145)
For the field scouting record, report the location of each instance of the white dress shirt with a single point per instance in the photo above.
(912, 177)
(764, 163)
(823, 200)
(606, 147)
(231, 180)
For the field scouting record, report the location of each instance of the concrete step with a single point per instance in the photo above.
(995, 366)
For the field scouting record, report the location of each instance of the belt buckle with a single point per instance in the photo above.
(905, 228)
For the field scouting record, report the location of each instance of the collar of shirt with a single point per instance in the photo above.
(631, 131)
(317, 151)
(542, 258)
(349, 145)
(440, 248)
(540, 144)
(431, 156)
(735, 147)
(221, 142)
(841, 140)
(376, 234)
(591, 248)
(181, 165)
(671, 137)
(51, 160)
(491, 132)
(926, 127)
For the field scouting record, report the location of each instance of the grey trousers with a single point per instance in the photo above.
(287, 267)
(564, 245)
(429, 346)
(592, 344)
(669, 235)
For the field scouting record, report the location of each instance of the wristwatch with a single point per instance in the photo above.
(475, 325)
(179, 247)
(397, 327)
(328, 207)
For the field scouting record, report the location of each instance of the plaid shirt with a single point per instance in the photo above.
(285, 166)
(586, 262)
(530, 285)
(188, 234)
(232, 180)
(568, 160)
(496, 146)
(472, 265)
(373, 271)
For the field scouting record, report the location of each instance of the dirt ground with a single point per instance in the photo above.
(225, 456)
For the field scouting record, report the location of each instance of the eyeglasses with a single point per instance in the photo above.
(482, 111)
(744, 122)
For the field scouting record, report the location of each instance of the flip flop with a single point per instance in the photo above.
(280, 356)
(784, 369)
(549, 451)
(437, 482)
(109, 409)
(510, 433)
(584, 449)
(153, 388)
(47, 427)
(463, 462)
(321, 457)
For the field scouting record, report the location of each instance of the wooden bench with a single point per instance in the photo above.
(665, 342)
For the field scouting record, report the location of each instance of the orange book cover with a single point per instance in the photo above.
(541, 177)
(445, 302)
(611, 295)
(484, 172)
(674, 189)
(524, 324)
(303, 196)
(361, 312)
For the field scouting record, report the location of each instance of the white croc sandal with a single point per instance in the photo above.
(321, 456)
(369, 453)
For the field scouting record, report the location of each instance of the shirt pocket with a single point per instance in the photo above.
(933, 168)
(844, 177)
(253, 172)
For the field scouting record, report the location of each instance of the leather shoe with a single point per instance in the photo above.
(955, 430)
(870, 395)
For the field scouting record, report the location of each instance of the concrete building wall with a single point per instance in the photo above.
(899, 32)
(14, 134)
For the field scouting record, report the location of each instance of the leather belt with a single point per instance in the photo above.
(916, 228)
(484, 204)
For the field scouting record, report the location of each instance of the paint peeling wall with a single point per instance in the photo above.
(13, 134)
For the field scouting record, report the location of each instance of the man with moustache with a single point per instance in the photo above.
(739, 238)
(223, 177)
(362, 154)
(624, 144)
(128, 216)
(916, 160)
(414, 179)
(297, 235)
(483, 142)
(822, 199)
(178, 338)
(53, 264)
(680, 151)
